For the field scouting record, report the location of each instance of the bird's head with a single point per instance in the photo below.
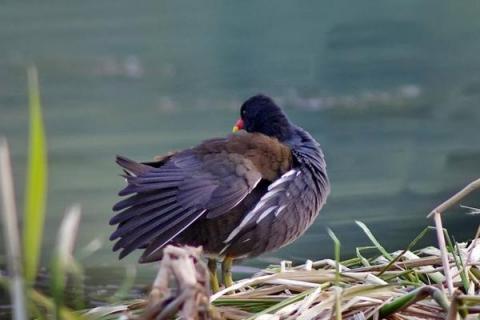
(260, 114)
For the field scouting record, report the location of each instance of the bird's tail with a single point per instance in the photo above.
(132, 167)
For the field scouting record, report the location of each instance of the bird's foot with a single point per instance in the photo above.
(227, 272)
(212, 271)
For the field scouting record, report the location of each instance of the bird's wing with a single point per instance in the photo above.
(164, 201)
(298, 194)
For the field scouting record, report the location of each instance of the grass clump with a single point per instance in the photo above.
(24, 249)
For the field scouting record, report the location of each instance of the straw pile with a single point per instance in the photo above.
(400, 285)
(409, 285)
(430, 283)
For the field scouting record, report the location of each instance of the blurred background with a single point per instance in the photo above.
(391, 89)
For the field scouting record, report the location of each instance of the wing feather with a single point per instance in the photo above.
(164, 234)
(141, 197)
(303, 189)
(163, 201)
(148, 207)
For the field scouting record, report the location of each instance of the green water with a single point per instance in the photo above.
(391, 89)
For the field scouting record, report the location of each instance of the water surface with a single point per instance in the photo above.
(390, 89)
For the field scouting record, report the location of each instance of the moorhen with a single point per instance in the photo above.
(239, 196)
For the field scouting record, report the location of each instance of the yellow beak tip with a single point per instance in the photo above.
(235, 129)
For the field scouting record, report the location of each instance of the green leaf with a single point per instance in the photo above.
(36, 186)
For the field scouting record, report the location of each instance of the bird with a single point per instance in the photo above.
(255, 190)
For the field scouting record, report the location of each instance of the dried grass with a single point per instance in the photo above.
(408, 284)
(359, 293)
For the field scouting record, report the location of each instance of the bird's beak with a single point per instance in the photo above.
(238, 126)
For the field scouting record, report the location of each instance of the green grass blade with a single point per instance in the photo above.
(414, 296)
(457, 256)
(412, 244)
(374, 240)
(283, 304)
(338, 304)
(461, 266)
(361, 258)
(336, 244)
(36, 187)
(250, 305)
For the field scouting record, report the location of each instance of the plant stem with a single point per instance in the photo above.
(11, 234)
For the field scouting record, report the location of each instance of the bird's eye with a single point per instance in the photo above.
(244, 112)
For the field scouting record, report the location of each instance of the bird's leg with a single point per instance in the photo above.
(212, 271)
(227, 271)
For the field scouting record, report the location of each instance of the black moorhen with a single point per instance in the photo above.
(253, 191)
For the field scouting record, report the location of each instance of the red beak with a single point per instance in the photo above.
(238, 125)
